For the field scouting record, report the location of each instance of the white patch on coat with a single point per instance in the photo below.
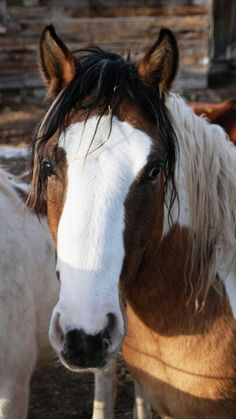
(90, 233)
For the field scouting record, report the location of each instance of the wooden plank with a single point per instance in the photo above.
(125, 3)
(67, 25)
(78, 12)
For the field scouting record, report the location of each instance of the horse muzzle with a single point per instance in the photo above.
(79, 350)
(83, 351)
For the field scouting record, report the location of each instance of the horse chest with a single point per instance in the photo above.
(181, 375)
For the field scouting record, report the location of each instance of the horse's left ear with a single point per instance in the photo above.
(159, 66)
(58, 66)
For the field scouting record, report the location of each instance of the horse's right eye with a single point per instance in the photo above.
(47, 168)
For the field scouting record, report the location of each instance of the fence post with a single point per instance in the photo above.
(222, 43)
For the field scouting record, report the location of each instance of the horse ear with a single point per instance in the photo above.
(58, 66)
(159, 66)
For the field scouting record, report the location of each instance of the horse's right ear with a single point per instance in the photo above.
(159, 66)
(58, 66)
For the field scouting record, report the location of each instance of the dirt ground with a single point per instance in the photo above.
(59, 394)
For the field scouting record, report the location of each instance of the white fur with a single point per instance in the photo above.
(28, 291)
(90, 233)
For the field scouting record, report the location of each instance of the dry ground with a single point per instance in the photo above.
(59, 394)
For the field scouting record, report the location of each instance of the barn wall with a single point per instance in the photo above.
(118, 25)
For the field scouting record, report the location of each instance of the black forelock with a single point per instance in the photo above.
(102, 82)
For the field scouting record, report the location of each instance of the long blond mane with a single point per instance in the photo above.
(208, 162)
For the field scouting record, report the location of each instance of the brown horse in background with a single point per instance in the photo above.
(223, 114)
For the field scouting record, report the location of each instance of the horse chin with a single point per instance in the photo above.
(102, 365)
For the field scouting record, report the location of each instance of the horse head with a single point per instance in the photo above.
(102, 160)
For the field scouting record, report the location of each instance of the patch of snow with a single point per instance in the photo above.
(13, 152)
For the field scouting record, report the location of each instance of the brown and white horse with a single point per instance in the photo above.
(140, 195)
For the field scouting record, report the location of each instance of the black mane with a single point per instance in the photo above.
(102, 82)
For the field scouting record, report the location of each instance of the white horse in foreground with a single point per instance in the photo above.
(28, 292)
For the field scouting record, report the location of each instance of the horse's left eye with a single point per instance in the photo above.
(154, 172)
(47, 168)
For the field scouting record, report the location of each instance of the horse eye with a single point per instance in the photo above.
(154, 172)
(47, 168)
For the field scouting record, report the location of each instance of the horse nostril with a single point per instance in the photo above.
(111, 325)
(73, 340)
(55, 333)
(111, 321)
(106, 339)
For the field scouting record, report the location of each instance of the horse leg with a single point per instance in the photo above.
(142, 408)
(105, 393)
(14, 401)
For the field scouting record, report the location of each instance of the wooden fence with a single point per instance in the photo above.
(118, 25)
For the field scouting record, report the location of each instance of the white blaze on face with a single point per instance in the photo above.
(90, 233)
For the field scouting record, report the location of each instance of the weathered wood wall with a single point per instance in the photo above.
(119, 25)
